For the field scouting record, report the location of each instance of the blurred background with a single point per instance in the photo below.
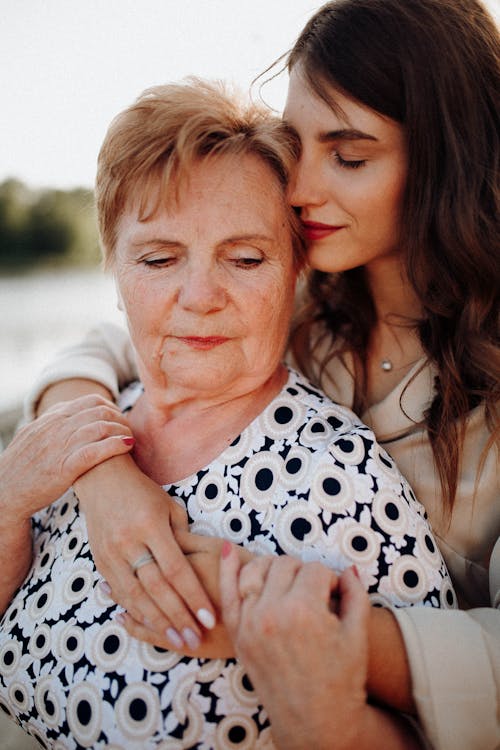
(66, 68)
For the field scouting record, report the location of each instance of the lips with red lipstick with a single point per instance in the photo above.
(315, 230)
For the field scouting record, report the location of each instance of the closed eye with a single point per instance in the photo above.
(247, 262)
(348, 163)
(158, 262)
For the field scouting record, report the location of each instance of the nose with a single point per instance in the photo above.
(306, 188)
(201, 291)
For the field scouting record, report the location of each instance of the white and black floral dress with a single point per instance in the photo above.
(305, 478)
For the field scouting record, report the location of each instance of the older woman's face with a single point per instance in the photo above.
(208, 283)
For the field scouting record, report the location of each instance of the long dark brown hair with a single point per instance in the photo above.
(434, 67)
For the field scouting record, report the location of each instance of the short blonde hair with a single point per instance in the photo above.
(156, 141)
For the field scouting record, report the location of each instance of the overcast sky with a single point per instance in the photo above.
(68, 66)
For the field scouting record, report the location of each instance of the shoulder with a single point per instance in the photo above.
(325, 425)
(337, 436)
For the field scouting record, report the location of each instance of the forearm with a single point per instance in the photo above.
(370, 728)
(16, 554)
(384, 730)
(15, 539)
(389, 677)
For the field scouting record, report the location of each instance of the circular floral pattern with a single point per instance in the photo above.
(84, 713)
(138, 711)
(305, 478)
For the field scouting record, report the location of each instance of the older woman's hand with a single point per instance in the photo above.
(42, 461)
(47, 456)
(308, 664)
(130, 517)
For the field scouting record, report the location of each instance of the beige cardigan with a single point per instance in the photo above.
(454, 655)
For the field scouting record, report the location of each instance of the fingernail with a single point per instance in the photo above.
(148, 623)
(105, 587)
(174, 638)
(120, 619)
(355, 571)
(206, 618)
(226, 549)
(191, 638)
(129, 440)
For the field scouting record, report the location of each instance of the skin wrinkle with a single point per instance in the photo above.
(223, 271)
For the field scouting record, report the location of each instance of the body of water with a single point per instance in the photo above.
(42, 313)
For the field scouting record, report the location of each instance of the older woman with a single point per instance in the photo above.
(198, 234)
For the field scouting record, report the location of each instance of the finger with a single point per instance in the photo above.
(82, 403)
(176, 569)
(229, 588)
(85, 457)
(315, 580)
(280, 578)
(253, 576)
(94, 432)
(133, 597)
(171, 640)
(354, 604)
(168, 602)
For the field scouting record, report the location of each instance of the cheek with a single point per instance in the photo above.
(271, 314)
(144, 306)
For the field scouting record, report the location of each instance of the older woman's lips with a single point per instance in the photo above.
(314, 230)
(202, 342)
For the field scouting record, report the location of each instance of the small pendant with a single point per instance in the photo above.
(386, 365)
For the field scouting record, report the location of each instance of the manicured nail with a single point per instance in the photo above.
(174, 638)
(120, 618)
(105, 588)
(206, 618)
(191, 638)
(129, 440)
(355, 571)
(226, 549)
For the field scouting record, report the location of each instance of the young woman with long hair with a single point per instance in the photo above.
(396, 104)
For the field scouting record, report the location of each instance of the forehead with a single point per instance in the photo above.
(313, 117)
(239, 193)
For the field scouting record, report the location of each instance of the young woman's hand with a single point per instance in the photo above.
(306, 654)
(131, 519)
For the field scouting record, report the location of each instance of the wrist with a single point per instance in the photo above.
(90, 484)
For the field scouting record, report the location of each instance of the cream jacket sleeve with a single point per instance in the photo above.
(105, 355)
(455, 665)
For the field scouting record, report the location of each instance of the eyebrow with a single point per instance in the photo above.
(345, 135)
(165, 243)
(247, 238)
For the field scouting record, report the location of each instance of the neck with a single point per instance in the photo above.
(393, 296)
(178, 436)
(394, 342)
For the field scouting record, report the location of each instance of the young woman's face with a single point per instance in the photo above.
(350, 180)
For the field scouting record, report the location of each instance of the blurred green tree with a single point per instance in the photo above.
(46, 227)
